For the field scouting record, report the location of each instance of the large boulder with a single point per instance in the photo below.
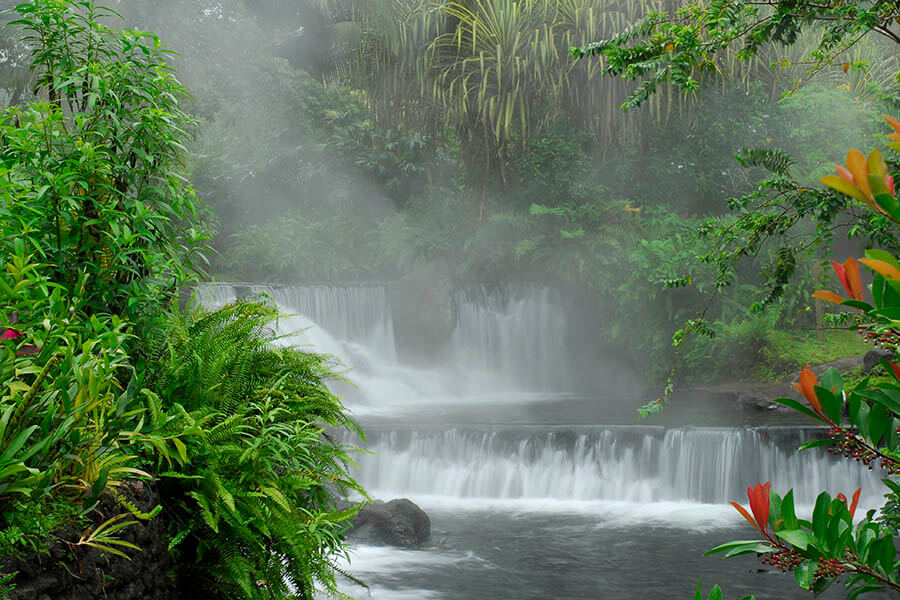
(423, 310)
(874, 357)
(396, 523)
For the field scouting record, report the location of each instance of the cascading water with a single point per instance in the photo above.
(480, 483)
(630, 464)
(516, 332)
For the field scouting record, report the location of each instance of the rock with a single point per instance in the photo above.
(81, 573)
(395, 523)
(874, 357)
(423, 310)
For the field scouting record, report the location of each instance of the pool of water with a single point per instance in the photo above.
(515, 551)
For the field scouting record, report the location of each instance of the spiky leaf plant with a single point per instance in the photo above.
(255, 513)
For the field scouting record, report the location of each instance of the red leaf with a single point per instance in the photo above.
(842, 275)
(759, 503)
(746, 515)
(855, 502)
(896, 371)
(851, 271)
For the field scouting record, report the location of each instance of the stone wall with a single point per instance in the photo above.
(83, 573)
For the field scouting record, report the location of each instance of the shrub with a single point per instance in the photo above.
(253, 514)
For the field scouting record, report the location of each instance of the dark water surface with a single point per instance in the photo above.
(509, 553)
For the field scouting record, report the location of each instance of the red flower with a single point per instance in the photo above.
(759, 505)
(14, 334)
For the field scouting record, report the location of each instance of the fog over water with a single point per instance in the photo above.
(494, 285)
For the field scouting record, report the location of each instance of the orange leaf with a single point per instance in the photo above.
(828, 296)
(882, 268)
(807, 387)
(856, 164)
(855, 502)
(892, 122)
(845, 187)
(844, 173)
(875, 164)
(747, 516)
(851, 267)
(846, 66)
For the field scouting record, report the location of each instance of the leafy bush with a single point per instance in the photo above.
(92, 178)
(102, 380)
(71, 425)
(253, 513)
(863, 422)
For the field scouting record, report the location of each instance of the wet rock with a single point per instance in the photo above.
(396, 523)
(68, 572)
(874, 357)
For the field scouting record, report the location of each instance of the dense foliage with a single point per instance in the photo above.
(253, 513)
(863, 421)
(103, 380)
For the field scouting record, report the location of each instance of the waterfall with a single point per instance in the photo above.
(629, 463)
(353, 324)
(508, 339)
(515, 331)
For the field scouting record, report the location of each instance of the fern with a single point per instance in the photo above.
(254, 512)
(770, 159)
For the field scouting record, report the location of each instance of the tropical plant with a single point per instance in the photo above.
(675, 47)
(254, 513)
(863, 422)
(92, 176)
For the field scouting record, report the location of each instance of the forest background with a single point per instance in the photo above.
(339, 140)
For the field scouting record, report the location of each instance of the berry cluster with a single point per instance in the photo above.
(786, 560)
(829, 567)
(849, 445)
(889, 339)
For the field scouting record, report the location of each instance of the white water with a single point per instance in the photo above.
(623, 464)
(509, 341)
(537, 510)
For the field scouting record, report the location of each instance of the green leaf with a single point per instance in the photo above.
(804, 573)
(815, 444)
(791, 403)
(788, 516)
(797, 537)
(857, 304)
(883, 256)
(831, 403)
(744, 544)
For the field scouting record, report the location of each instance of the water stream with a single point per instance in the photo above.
(536, 491)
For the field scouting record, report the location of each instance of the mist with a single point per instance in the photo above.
(495, 255)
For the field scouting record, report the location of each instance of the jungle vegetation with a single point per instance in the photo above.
(103, 378)
(378, 136)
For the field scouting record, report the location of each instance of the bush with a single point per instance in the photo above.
(253, 513)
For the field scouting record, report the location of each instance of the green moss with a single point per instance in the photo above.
(786, 351)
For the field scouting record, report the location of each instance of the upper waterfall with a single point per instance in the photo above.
(507, 339)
